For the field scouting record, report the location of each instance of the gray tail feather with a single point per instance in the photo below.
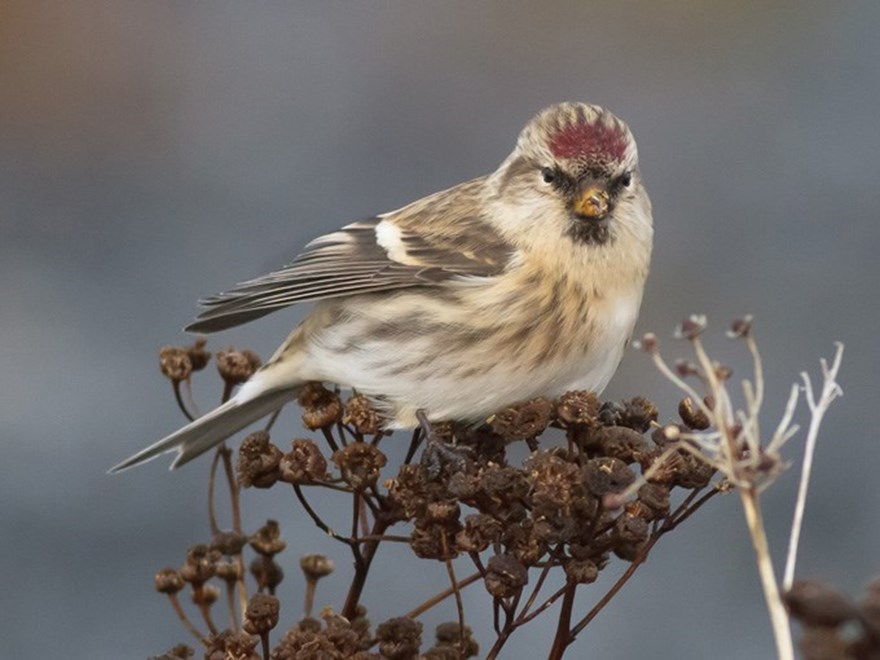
(211, 429)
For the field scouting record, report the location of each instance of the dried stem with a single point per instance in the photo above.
(206, 615)
(830, 391)
(317, 519)
(234, 492)
(443, 595)
(184, 619)
(363, 559)
(264, 639)
(563, 637)
(230, 602)
(414, 443)
(459, 606)
(175, 384)
(212, 481)
(778, 614)
(311, 584)
(328, 436)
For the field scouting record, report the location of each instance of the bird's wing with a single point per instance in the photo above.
(420, 245)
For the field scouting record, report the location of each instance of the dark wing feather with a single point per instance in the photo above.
(351, 261)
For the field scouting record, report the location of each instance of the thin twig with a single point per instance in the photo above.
(328, 436)
(541, 578)
(206, 615)
(543, 606)
(233, 488)
(317, 519)
(830, 391)
(230, 602)
(184, 619)
(440, 597)
(271, 421)
(175, 384)
(413, 445)
(459, 606)
(212, 482)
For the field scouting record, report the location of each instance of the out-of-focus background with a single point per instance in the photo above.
(155, 152)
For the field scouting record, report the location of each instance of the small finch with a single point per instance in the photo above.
(525, 282)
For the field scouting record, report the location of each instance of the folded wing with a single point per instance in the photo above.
(417, 246)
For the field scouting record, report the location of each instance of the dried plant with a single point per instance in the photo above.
(606, 486)
(730, 442)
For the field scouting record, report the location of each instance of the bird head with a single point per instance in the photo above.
(574, 168)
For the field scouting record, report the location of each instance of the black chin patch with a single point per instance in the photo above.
(589, 231)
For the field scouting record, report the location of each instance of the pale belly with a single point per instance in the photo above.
(438, 367)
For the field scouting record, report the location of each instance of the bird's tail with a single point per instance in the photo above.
(212, 428)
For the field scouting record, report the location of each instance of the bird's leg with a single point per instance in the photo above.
(440, 455)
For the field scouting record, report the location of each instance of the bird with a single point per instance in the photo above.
(521, 283)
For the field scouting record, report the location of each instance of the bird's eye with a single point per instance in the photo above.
(549, 175)
(626, 179)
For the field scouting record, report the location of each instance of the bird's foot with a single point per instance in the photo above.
(441, 456)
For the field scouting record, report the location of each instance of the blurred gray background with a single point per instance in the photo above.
(155, 152)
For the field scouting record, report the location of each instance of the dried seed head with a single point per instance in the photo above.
(198, 356)
(400, 638)
(267, 540)
(606, 475)
(360, 464)
(581, 571)
(523, 542)
(479, 532)
(655, 497)
(346, 640)
(691, 328)
(722, 371)
(228, 645)
(578, 409)
(206, 595)
(693, 416)
(179, 652)
(434, 541)
(449, 639)
(168, 581)
(267, 573)
(637, 414)
(686, 368)
(359, 412)
(817, 604)
(666, 434)
(523, 421)
(303, 464)
(258, 461)
(505, 576)
(229, 543)
(229, 571)
(620, 442)
(828, 644)
(648, 343)
(235, 367)
(200, 564)
(261, 614)
(741, 328)
(321, 407)
(175, 363)
(630, 530)
(690, 471)
(443, 512)
(316, 566)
